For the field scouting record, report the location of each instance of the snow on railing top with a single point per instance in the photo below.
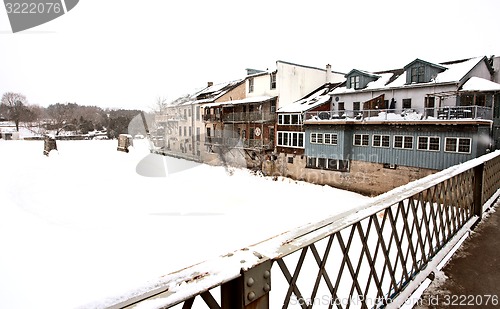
(191, 281)
(412, 114)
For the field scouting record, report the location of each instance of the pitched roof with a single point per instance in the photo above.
(208, 94)
(316, 98)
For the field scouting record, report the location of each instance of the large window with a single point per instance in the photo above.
(354, 82)
(381, 140)
(291, 139)
(417, 74)
(289, 119)
(328, 164)
(428, 143)
(403, 142)
(457, 144)
(361, 139)
(273, 80)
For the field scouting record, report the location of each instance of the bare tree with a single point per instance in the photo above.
(160, 106)
(16, 106)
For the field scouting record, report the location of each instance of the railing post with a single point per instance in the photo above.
(478, 190)
(250, 290)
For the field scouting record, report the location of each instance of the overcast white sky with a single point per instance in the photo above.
(122, 53)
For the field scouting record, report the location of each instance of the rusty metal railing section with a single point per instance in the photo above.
(369, 257)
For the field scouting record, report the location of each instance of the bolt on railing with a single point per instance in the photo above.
(373, 256)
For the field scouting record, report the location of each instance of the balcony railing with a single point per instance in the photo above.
(248, 117)
(412, 114)
(373, 256)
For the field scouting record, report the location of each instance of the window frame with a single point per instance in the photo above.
(457, 145)
(287, 138)
(354, 81)
(272, 81)
(384, 139)
(362, 140)
(428, 143)
(250, 85)
(403, 142)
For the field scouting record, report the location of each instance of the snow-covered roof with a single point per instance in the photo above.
(257, 99)
(208, 94)
(480, 84)
(317, 98)
(453, 73)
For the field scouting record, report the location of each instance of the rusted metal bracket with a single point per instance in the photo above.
(250, 290)
(257, 281)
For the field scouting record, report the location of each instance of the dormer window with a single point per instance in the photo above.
(355, 82)
(418, 74)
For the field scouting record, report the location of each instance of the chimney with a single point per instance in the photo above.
(328, 73)
(210, 84)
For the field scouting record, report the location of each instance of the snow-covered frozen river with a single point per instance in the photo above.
(82, 224)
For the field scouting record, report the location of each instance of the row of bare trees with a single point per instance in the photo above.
(64, 116)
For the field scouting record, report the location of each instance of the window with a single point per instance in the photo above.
(428, 143)
(250, 85)
(380, 140)
(198, 133)
(354, 82)
(403, 142)
(273, 106)
(456, 144)
(316, 138)
(330, 138)
(290, 160)
(341, 106)
(180, 131)
(291, 139)
(356, 106)
(273, 80)
(406, 103)
(417, 74)
(328, 164)
(289, 119)
(197, 112)
(190, 131)
(361, 139)
(185, 131)
(252, 133)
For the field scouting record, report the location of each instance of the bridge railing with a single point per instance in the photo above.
(373, 256)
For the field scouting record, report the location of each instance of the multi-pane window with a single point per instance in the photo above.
(361, 139)
(291, 139)
(457, 144)
(354, 82)
(403, 141)
(381, 140)
(289, 119)
(316, 138)
(328, 164)
(330, 138)
(250, 85)
(417, 74)
(428, 143)
(273, 80)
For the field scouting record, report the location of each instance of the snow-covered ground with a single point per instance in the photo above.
(82, 224)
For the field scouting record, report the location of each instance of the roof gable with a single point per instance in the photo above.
(425, 63)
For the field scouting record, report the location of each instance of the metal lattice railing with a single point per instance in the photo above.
(370, 257)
